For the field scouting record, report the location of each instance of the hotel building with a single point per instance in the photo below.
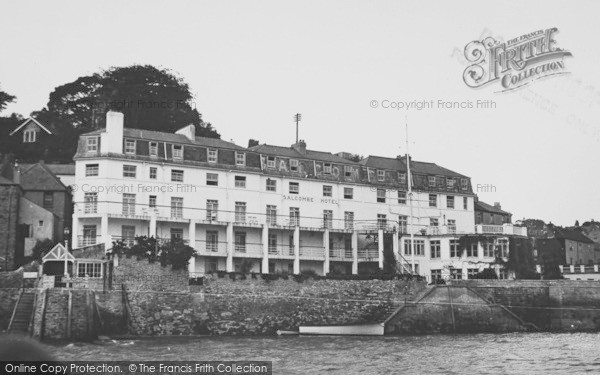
(275, 209)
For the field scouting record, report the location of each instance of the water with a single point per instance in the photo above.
(519, 353)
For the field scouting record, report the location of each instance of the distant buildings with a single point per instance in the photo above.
(278, 209)
(491, 215)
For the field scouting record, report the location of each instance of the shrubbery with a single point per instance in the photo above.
(173, 252)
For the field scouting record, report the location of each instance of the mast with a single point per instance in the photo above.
(410, 202)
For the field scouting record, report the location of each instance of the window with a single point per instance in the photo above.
(434, 221)
(472, 272)
(240, 242)
(347, 171)
(128, 204)
(450, 183)
(431, 181)
(419, 247)
(212, 209)
(48, 200)
(29, 136)
(271, 214)
(293, 165)
(271, 185)
(381, 221)
(294, 188)
(381, 195)
(91, 170)
(176, 175)
(178, 152)
(348, 220)
(176, 233)
(432, 200)
(270, 161)
(465, 203)
(488, 249)
(240, 158)
(327, 168)
(454, 249)
(153, 149)
(153, 173)
(401, 177)
(294, 216)
(401, 197)
(327, 219)
(452, 224)
(434, 247)
(503, 274)
(92, 144)
(402, 224)
(348, 193)
(240, 212)
(212, 241)
(464, 183)
(450, 201)
(240, 182)
(272, 244)
(380, 175)
(128, 235)
(436, 275)
(212, 155)
(456, 273)
(327, 191)
(129, 171)
(89, 269)
(90, 203)
(89, 235)
(129, 146)
(152, 201)
(503, 247)
(177, 207)
(472, 250)
(40, 223)
(212, 179)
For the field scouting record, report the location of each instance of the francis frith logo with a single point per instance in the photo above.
(514, 63)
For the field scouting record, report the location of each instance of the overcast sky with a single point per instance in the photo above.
(253, 64)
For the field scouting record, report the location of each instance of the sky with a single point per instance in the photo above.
(252, 65)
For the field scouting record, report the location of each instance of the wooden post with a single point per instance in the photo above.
(451, 309)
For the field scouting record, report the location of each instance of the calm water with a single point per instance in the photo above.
(539, 353)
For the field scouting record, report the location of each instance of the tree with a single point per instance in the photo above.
(5, 99)
(520, 258)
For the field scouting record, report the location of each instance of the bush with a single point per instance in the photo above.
(42, 248)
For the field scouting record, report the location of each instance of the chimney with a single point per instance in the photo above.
(188, 131)
(17, 174)
(112, 140)
(300, 146)
(497, 205)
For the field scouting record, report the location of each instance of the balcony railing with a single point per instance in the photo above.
(87, 240)
(508, 229)
(433, 230)
(248, 249)
(368, 254)
(312, 252)
(279, 250)
(204, 247)
(340, 254)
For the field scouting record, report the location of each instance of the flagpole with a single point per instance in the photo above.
(410, 200)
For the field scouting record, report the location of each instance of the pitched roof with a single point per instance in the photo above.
(39, 177)
(6, 181)
(289, 152)
(27, 122)
(418, 167)
(57, 169)
(571, 234)
(482, 206)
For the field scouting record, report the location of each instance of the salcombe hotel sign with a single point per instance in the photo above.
(516, 62)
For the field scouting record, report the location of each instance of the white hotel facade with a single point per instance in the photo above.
(279, 209)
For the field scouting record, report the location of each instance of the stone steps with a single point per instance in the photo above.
(22, 313)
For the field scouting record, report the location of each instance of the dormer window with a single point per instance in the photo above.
(431, 181)
(92, 144)
(464, 183)
(327, 168)
(240, 158)
(129, 146)
(270, 161)
(212, 155)
(450, 183)
(29, 136)
(380, 175)
(177, 152)
(153, 149)
(294, 165)
(401, 177)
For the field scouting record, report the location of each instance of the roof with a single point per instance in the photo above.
(39, 177)
(571, 234)
(292, 153)
(57, 169)
(418, 167)
(482, 206)
(152, 135)
(58, 253)
(27, 122)
(6, 181)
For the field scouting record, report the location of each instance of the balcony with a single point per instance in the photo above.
(211, 248)
(506, 229)
(248, 250)
(440, 230)
(88, 240)
(369, 255)
(312, 252)
(340, 254)
(281, 251)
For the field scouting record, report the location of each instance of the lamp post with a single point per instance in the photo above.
(66, 232)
